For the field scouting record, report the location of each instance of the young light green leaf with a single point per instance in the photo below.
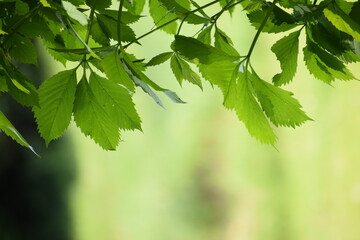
(161, 15)
(19, 86)
(205, 35)
(316, 67)
(219, 73)
(183, 71)
(45, 3)
(116, 101)
(159, 59)
(56, 98)
(279, 105)
(114, 70)
(342, 21)
(74, 13)
(248, 110)
(224, 43)
(92, 118)
(7, 127)
(286, 51)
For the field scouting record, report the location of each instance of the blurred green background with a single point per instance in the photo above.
(194, 173)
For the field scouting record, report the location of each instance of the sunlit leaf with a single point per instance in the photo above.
(279, 105)
(115, 71)
(248, 110)
(74, 13)
(161, 15)
(116, 101)
(342, 21)
(159, 59)
(286, 50)
(56, 98)
(183, 71)
(92, 118)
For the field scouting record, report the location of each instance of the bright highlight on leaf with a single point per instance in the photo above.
(74, 13)
(342, 22)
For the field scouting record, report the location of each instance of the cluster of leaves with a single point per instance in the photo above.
(98, 92)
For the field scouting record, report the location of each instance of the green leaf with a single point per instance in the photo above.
(98, 34)
(28, 96)
(145, 83)
(56, 98)
(219, 73)
(354, 13)
(183, 71)
(3, 84)
(279, 20)
(74, 13)
(311, 14)
(224, 3)
(342, 21)
(92, 118)
(159, 59)
(286, 51)
(98, 4)
(316, 67)
(134, 6)
(116, 101)
(326, 39)
(197, 6)
(19, 86)
(10, 130)
(224, 43)
(323, 65)
(21, 8)
(248, 110)
(183, 13)
(109, 26)
(45, 3)
(278, 104)
(115, 71)
(22, 49)
(161, 15)
(205, 35)
(290, 3)
(198, 52)
(126, 16)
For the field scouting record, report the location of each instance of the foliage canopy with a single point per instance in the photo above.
(98, 92)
